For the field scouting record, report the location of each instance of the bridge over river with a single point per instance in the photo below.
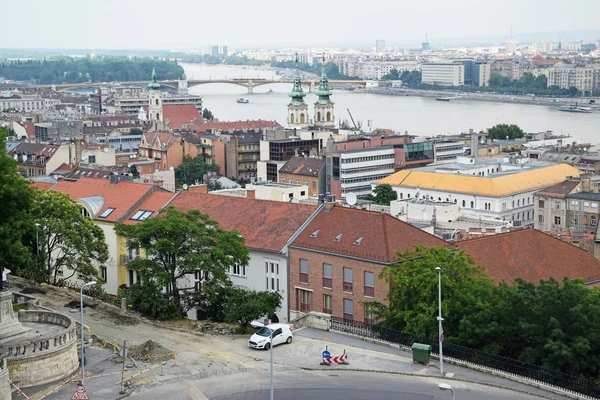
(249, 83)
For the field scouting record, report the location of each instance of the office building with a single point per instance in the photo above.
(214, 51)
(511, 46)
(490, 190)
(379, 46)
(481, 74)
(443, 74)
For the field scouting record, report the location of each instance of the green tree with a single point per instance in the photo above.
(384, 194)
(69, 241)
(412, 303)
(207, 114)
(192, 170)
(135, 131)
(178, 244)
(16, 225)
(503, 131)
(134, 171)
(245, 305)
(148, 299)
(394, 75)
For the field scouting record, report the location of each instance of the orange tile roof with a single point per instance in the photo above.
(231, 126)
(176, 115)
(560, 189)
(122, 196)
(265, 225)
(531, 255)
(42, 185)
(155, 202)
(380, 235)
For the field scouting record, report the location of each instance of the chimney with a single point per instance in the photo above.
(114, 178)
(199, 188)
(250, 193)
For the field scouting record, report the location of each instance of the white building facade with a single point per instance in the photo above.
(443, 74)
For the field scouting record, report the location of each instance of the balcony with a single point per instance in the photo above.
(127, 258)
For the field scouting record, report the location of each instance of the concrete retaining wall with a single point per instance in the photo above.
(4, 384)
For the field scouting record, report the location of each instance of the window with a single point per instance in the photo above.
(574, 202)
(304, 300)
(472, 204)
(557, 205)
(131, 277)
(303, 271)
(302, 193)
(586, 204)
(239, 270)
(103, 273)
(348, 309)
(369, 284)
(141, 215)
(594, 205)
(327, 304)
(92, 159)
(593, 221)
(556, 220)
(297, 181)
(327, 276)
(335, 162)
(541, 219)
(541, 203)
(464, 203)
(291, 181)
(519, 203)
(314, 184)
(347, 279)
(369, 314)
(107, 212)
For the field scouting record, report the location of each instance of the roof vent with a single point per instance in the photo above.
(314, 234)
(358, 241)
(337, 238)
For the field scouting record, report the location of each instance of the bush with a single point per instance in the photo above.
(149, 300)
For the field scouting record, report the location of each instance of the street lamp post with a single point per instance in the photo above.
(444, 386)
(81, 311)
(271, 356)
(440, 319)
(37, 239)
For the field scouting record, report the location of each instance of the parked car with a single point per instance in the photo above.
(282, 333)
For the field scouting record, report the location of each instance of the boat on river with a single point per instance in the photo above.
(575, 109)
(243, 100)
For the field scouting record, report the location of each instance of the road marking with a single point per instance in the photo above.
(194, 391)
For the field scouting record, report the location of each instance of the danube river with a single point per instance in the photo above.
(417, 115)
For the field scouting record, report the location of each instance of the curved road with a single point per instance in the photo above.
(330, 385)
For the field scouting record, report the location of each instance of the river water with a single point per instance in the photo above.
(417, 115)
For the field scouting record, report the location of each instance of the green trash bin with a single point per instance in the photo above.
(421, 353)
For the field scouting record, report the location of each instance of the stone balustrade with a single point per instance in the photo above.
(45, 343)
(46, 358)
(4, 383)
(21, 298)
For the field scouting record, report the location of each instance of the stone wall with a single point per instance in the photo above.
(313, 319)
(4, 384)
(46, 358)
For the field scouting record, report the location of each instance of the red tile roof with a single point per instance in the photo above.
(122, 196)
(266, 225)
(380, 235)
(232, 126)
(176, 115)
(531, 255)
(560, 189)
(42, 185)
(155, 202)
(157, 140)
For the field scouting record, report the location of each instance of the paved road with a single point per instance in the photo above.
(309, 385)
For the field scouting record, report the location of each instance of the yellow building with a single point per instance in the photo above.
(491, 191)
(108, 202)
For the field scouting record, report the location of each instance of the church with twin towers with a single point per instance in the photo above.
(298, 116)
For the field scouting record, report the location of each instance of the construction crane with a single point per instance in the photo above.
(352, 119)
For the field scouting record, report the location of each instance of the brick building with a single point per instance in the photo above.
(308, 171)
(336, 260)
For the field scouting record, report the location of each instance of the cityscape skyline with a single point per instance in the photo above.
(350, 26)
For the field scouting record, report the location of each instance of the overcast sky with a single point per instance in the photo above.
(162, 24)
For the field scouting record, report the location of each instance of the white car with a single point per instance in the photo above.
(282, 333)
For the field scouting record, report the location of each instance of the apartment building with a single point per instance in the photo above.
(551, 206)
(275, 153)
(443, 74)
(308, 171)
(131, 105)
(375, 69)
(565, 76)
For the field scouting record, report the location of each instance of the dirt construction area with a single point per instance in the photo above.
(163, 354)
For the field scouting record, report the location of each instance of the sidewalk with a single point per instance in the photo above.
(364, 355)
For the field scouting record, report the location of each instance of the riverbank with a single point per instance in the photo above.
(485, 97)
